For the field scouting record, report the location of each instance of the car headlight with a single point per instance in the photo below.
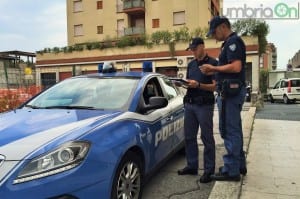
(65, 157)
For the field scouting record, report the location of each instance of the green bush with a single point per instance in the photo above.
(156, 37)
(166, 36)
(56, 50)
(182, 34)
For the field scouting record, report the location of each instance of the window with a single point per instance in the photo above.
(284, 84)
(155, 23)
(99, 5)
(277, 85)
(178, 18)
(169, 88)
(99, 29)
(78, 30)
(152, 89)
(77, 6)
(48, 79)
(295, 83)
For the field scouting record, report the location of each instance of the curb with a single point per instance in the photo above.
(232, 190)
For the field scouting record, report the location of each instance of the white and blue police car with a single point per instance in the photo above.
(90, 136)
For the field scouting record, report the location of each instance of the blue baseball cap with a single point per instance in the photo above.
(215, 22)
(195, 42)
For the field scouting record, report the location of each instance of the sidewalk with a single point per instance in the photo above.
(167, 184)
(273, 160)
(231, 190)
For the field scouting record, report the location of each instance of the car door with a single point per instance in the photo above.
(175, 100)
(276, 94)
(159, 126)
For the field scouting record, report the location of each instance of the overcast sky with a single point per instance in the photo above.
(31, 25)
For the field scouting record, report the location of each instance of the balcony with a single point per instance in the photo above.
(134, 6)
(134, 31)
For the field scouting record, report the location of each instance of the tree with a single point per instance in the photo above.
(253, 27)
(263, 80)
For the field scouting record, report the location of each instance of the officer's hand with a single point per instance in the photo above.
(193, 83)
(207, 69)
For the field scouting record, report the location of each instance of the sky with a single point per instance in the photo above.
(32, 25)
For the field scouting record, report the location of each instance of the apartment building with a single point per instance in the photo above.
(105, 22)
(269, 58)
(97, 20)
(295, 61)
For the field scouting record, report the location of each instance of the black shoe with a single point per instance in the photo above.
(205, 178)
(187, 171)
(225, 177)
(243, 171)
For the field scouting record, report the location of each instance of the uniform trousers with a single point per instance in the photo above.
(199, 115)
(233, 133)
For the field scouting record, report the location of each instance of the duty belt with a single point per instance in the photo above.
(199, 100)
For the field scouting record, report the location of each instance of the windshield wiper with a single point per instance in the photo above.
(32, 106)
(70, 107)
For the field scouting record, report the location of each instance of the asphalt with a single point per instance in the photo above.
(166, 184)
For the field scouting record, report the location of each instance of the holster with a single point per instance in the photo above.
(231, 87)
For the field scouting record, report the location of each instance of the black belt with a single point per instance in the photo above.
(199, 100)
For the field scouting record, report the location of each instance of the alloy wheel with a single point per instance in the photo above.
(129, 182)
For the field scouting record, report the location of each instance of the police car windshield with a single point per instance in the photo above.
(99, 93)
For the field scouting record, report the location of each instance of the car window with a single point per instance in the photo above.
(295, 83)
(99, 93)
(284, 84)
(169, 87)
(151, 89)
(276, 85)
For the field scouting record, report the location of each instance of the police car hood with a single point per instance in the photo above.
(25, 126)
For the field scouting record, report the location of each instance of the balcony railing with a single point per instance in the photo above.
(134, 31)
(133, 4)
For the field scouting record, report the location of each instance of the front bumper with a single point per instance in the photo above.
(82, 182)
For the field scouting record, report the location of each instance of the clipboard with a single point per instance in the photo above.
(181, 80)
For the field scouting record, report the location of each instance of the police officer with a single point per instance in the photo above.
(231, 67)
(199, 107)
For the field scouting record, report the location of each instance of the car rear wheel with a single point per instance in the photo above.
(128, 179)
(286, 99)
(271, 98)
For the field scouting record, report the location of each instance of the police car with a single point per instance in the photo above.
(90, 136)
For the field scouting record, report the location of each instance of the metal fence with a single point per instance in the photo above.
(16, 87)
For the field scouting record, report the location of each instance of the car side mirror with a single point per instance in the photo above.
(156, 103)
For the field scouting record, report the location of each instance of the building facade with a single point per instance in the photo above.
(108, 21)
(269, 58)
(295, 61)
(98, 20)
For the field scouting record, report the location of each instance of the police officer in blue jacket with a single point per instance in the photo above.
(231, 68)
(199, 107)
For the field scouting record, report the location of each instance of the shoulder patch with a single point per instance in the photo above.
(232, 47)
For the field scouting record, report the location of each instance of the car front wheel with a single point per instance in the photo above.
(128, 179)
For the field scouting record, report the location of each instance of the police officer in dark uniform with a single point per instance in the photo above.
(230, 77)
(199, 107)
